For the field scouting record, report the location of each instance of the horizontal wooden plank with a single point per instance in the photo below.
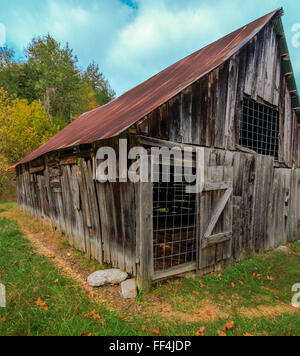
(155, 142)
(216, 239)
(217, 186)
(68, 160)
(175, 270)
(36, 169)
(245, 150)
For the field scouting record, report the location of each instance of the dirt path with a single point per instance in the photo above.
(49, 243)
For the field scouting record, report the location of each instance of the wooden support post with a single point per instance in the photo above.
(145, 270)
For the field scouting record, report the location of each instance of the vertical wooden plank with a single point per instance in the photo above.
(144, 195)
(196, 112)
(221, 106)
(175, 120)
(294, 207)
(231, 103)
(186, 107)
(128, 218)
(251, 66)
(262, 195)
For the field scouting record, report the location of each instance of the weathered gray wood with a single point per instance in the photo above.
(36, 169)
(144, 198)
(294, 207)
(262, 195)
(188, 267)
(216, 214)
(208, 186)
(216, 239)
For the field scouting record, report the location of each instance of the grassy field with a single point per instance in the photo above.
(251, 298)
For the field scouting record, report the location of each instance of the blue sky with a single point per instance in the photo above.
(132, 40)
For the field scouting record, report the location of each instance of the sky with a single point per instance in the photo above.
(132, 40)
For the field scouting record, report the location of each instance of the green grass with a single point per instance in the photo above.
(260, 281)
(5, 206)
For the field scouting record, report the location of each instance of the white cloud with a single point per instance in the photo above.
(130, 44)
(165, 31)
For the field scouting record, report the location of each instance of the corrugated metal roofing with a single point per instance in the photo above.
(116, 116)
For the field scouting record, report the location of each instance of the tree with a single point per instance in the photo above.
(6, 57)
(57, 79)
(101, 86)
(23, 127)
(50, 75)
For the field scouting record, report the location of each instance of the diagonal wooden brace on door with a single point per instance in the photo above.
(208, 238)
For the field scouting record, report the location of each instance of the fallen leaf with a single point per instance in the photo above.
(247, 334)
(208, 313)
(270, 278)
(84, 334)
(232, 285)
(196, 292)
(200, 332)
(228, 325)
(41, 304)
(156, 331)
(221, 333)
(144, 327)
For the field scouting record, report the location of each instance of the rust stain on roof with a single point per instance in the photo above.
(115, 117)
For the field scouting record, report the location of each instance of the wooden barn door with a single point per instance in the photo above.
(215, 217)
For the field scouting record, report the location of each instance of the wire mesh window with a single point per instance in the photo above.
(260, 128)
(174, 222)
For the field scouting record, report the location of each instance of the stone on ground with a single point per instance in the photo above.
(129, 289)
(108, 276)
(283, 248)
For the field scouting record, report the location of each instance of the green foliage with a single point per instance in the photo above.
(100, 85)
(23, 127)
(50, 75)
(6, 57)
(7, 179)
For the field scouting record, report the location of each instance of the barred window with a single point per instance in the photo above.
(259, 129)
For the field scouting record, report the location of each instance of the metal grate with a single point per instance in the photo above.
(260, 128)
(174, 223)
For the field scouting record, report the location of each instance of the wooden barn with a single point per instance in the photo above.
(237, 99)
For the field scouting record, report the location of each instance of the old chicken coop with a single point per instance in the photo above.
(237, 99)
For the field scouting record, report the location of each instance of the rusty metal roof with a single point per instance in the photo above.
(118, 115)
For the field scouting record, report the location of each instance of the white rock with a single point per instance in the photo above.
(129, 289)
(282, 248)
(108, 276)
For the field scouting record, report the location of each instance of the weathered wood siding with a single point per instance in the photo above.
(266, 203)
(99, 219)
